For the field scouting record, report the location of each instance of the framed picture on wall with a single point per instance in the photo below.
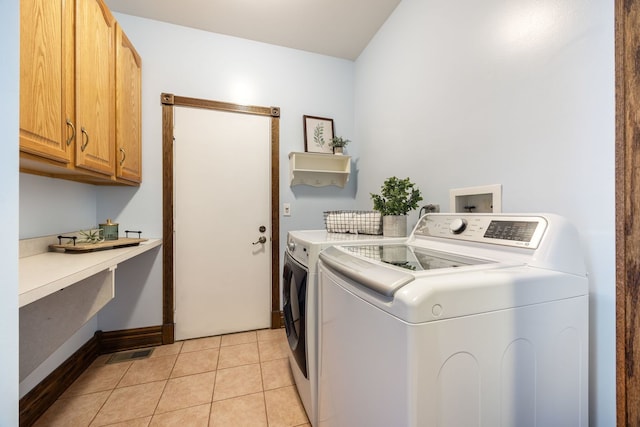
(318, 133)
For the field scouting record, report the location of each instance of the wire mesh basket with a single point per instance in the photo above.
(354, 222)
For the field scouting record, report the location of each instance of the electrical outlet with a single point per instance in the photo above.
(286, 208)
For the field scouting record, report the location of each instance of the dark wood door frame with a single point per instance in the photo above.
(627, 24)
(169, 101)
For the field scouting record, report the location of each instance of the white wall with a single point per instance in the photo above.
(50, 206)
(57, 358)
(464, 93)
(9, 110)
(198, 64)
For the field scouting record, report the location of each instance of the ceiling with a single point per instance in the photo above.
(340, 28)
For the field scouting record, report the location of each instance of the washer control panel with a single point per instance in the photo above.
(508, 230)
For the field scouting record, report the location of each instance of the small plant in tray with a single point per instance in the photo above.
(90, 236)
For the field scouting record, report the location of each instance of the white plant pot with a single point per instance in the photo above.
(338, 150)
(394, 226)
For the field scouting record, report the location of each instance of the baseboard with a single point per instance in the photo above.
(168, 333)
(277, 319)
(42, 396)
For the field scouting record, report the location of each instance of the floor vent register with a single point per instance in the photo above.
(130, 355)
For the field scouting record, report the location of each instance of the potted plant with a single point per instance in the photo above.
(397, 198)
(338, 143)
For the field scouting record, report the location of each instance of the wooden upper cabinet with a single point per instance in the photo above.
(46, 80)
(68, 94)
(95, 87)
(128, 109)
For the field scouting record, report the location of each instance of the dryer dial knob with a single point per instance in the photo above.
(457, 226)
(292, 245)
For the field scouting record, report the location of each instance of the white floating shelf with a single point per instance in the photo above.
(319, 170)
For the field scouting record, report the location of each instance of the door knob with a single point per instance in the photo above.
(262, 239)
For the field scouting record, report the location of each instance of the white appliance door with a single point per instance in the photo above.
(222, 197)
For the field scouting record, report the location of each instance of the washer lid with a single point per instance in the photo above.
(382, 279)
(412, 258)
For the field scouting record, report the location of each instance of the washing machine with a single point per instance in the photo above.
(299, 297)
(476, 320)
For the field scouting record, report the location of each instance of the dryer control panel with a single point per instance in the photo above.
(508, 230)
(298, 250)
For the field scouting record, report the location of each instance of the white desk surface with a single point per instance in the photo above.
(43, 274)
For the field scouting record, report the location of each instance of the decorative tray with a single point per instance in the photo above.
(91, 247)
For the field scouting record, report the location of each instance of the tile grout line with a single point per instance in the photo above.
(215, 381)
(184, 376)
(264, 395)
(110, 393)
(166, 383)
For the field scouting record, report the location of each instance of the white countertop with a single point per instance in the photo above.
(43, 274)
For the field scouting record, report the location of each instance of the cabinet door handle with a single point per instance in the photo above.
(85, 141)
(124, 156)
(73, 132)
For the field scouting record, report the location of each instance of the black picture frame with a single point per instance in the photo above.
(318, 133)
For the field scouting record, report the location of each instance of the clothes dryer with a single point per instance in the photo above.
(300, 303)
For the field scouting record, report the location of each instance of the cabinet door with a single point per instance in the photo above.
(128, 109)
(46, 79)
(95, 87)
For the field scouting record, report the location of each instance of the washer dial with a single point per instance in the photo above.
(458, 225)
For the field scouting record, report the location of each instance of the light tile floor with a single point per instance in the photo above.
(234, 380)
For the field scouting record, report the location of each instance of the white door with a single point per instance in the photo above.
(222, 198)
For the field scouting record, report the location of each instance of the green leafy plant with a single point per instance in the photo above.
(339, 141)
(91, 236)
(398, 197)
